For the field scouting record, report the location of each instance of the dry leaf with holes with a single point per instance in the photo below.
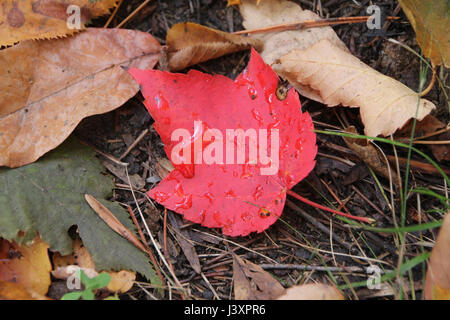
(320, 66)
(65, 266)
(190, 43)
(251, 282)
(437, 283)
(45, 19)
(431, 24)
(27, 266)
(312, 291)
(48, 87)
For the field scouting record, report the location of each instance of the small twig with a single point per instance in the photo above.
(131, 15)
(112, 15)
(131, 147)
(210, 286)
(309, 24)
(268, 266)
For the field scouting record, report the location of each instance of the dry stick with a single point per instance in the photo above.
(112, 15)
(150, 253)
(309, 24)
(131, 15)
(316, 223)
(131, 147)
(318, 206)
(177, 282)
(432, 133)
(268, 266)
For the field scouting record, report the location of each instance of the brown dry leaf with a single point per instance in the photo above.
(424, 127)
(370, 155)
(48, 87)
(431, 24)
(45, 19)
(110, 219)
(190, 43)
(437, 283)
(119, 171)
(312, 291)
(251, 282)
(320, 66)
(65, 266)
(28, 266)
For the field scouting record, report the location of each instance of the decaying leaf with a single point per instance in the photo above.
(319, 65)
(370, 155)
(190, 43)
(45, 19)
(251, 282)
(65, 266)
(48, 197)
(312, 291)
(431, 24)
(16, 291)
(437, 283)
(427, 126)
(48, 87)
(28, 266)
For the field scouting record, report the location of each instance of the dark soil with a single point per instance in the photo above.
(292, 241)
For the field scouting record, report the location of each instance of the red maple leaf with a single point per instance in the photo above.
(234, 197)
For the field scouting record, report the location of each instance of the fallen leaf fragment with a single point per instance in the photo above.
(110, 219)
(190, 43)
(27, 266)
(437, 282)
(238, 197)
(16, 291)
(312, 291)
(427, 126)
(370, 155)
(320, 66)
(65, 266)
(48, 87)
(45, 19)
(251, 282)
(431, 24)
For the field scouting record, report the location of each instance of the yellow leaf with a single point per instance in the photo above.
(28, 266)
(430, 21)
(437, 283)
(45, 19)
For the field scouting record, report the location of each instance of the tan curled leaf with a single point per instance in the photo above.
(431, 24)
(110, 219)
(65, 266)
(251, 282)
(45, 19)
(312, 291)
(28, 266)
(437, 283)
(190, 43)
(319, 65)
(48, 87)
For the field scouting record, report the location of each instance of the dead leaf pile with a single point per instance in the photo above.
(320, 66)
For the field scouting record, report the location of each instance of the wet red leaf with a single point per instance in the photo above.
(234, 197)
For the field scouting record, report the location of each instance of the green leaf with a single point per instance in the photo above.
(72, 295)
(48, 197)
(100, 281)
(88, 295)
